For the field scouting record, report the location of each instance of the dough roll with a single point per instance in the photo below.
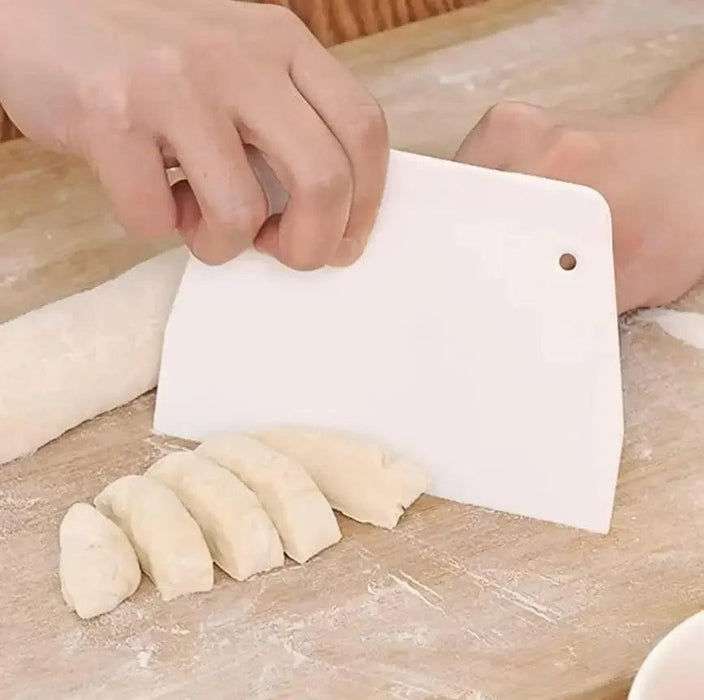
(71, 360)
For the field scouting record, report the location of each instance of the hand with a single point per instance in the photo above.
(135, 86)
(650, 168)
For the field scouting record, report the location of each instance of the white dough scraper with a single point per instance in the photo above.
(477, 335)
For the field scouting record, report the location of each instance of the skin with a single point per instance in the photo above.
(136, 86)
(648, 166)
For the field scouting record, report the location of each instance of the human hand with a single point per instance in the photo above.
(136, 86)
(649, 167)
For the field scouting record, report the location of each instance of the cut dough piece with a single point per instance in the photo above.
(299, 510)
(358, 477)
(169, 544)
(242, 539)
(80, 356)
(98, 568)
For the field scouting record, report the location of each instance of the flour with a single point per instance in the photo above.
(10, 502)
(143, 658)
(645, 453)
(8, 280)
(686, 326)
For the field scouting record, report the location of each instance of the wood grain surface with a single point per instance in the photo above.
(335, 21)
(457, 602)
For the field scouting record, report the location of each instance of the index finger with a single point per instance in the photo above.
(357, 121)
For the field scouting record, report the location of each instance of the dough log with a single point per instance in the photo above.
(299, 510)
(98, 568)
(169, 544)
(359, 478)
(83, 355)
(242, 539)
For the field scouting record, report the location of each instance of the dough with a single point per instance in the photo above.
(299, 510)
(359, 478)
(169, 544)
(98, 568)
(88, 353)
(242, 539)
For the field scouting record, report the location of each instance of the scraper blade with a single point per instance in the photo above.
(477, 335)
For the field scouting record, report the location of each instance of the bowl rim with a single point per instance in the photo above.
(667, 645)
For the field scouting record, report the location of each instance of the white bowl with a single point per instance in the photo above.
(674, 669)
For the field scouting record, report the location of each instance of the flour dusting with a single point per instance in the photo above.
(686, 326)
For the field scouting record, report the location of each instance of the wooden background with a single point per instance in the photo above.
(335, 21)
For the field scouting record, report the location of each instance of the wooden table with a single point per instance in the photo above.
(456, 602)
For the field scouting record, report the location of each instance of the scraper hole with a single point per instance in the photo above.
(568, 261)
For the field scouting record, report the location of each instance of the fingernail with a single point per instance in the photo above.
(347, 252)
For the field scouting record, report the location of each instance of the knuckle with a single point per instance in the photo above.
(114, 100)
(571, 150)
(508, 115)
(244, 218)
(106, 102)
(370, 126)
(166, 60)
(167, 74)
(329, 181)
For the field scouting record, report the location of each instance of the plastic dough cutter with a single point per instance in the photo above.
(477, 335)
